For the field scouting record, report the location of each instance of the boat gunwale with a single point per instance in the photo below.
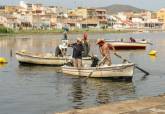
(51, 58)
(108, 41)
(39, 57)
(105, 68)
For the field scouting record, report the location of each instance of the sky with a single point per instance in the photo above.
(145, 4)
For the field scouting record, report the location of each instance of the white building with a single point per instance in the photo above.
(3, 21)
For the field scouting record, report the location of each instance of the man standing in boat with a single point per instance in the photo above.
(132, 39)
(65, 35)
(77, 53)
(86, 45)
(105, 51)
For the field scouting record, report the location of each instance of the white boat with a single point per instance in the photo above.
(25, 57)
(119, 45)
(115, 70)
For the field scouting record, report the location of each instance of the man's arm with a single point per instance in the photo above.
(101, 51)
(113, 48)
(71, 44)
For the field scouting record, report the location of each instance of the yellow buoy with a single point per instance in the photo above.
(2, 60)
(152, 52)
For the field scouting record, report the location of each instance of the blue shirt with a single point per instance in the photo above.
(77, 51)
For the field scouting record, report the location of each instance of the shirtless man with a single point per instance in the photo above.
(105, 51)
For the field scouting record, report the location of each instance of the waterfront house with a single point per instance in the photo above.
(89, 23)
(13, 22)
(161, 16)
(101, 15)
(3, 21)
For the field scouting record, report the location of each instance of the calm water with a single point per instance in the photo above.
(41, 90)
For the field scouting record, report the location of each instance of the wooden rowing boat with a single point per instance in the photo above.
(25, 57)
(118, 45)
(115, 70)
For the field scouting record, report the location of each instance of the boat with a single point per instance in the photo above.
(33, 58)
(115, 70)
(121, 45)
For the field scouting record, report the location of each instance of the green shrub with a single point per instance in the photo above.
(5, 30)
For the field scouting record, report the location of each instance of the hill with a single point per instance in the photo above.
(112, 9)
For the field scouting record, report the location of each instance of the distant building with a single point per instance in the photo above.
(101, 15)
(3, 21)
(13, 22)
(85, 12)
(2, 9)
(89, 23)
(11, 9)
(161, 15)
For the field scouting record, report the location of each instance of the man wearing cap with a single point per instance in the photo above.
(105, 51)
(77, 53)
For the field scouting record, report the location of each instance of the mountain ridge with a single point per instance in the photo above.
(115, 8)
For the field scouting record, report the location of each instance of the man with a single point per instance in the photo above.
(77, 53)
(61, 50)
(86, 45)
(105, 51)
(65, 35)
(58, 51)
(132, 39)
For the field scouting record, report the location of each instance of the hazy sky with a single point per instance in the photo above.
(146, 4)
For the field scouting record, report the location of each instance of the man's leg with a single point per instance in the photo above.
(108, 61)
(79, 61)
(75, 62)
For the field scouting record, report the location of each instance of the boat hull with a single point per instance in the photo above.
(46, 59)
(118, 70)
(128, 45)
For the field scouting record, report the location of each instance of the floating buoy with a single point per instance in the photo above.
(152, 52)
(3, 60)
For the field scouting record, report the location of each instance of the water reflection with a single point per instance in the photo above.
(2, 65)
(99, 91)
(109, 90)
(103, 95)
(77, 94)
(152, 58)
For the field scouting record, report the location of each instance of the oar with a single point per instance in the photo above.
(88, 76)
(93, 70)
(147, 73)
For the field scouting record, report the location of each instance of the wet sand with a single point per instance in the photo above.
(146, 105)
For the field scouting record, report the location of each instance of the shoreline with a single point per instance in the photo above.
(144, 105)
(78, 31)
